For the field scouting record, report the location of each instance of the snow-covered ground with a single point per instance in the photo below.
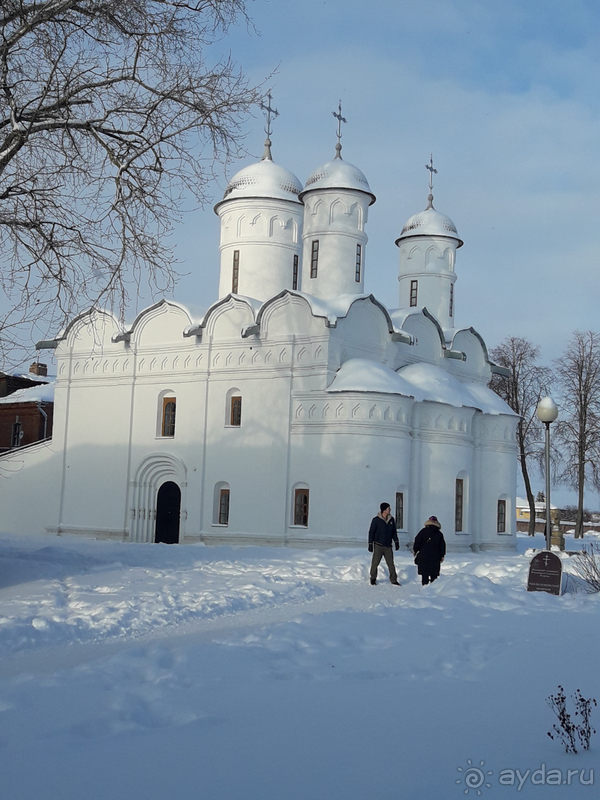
(192, 673)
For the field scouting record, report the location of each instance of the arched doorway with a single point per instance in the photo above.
(168, 506)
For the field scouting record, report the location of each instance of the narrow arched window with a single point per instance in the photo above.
(451, 299)
(221, 503)
(301, 507)
(224, 507)
(235, 278)
(314, 258)
(414, 286)
(400, 510)
(235, 416)
(459, 499)
(233, 408)
(295, 273)
(168, 416)
(357, 273)
(501, 516)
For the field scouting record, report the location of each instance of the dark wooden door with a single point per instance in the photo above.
(168, 506)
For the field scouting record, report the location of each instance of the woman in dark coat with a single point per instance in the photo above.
(429, 548)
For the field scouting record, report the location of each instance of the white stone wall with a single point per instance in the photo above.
(108, 458)
(429, 261)
(336, 219)
(267, 234)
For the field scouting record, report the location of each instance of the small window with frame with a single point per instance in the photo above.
(314, 258)
(168, 417)
(358, 270)
(301, 507)
(414, 288)
(400, 511)
(224, 496)
(235, 278)
(235, 416)
(501, 516)
(458, 504)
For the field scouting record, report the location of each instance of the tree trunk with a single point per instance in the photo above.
(579, 520)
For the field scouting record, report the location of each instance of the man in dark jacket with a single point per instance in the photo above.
(429, 548)
(381, 535)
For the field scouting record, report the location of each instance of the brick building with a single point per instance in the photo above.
(26, 408)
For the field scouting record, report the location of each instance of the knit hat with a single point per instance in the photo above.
(433, 521)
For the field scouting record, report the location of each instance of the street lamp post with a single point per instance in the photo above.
(547, 412)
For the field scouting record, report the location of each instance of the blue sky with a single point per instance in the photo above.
(503, 95)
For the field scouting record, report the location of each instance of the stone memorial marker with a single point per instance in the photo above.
(545, 573)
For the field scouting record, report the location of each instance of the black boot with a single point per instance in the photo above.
(373, 581)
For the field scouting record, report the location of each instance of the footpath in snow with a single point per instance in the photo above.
(155, 671)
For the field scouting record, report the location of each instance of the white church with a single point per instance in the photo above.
(293, 406)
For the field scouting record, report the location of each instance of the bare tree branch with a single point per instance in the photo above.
(109, 114)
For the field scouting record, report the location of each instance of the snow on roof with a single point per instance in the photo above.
(338, 174)
(32, 376)
(400, 315)
(35, 394)
(254, 304)
(429, 223)
(440, 386)
(488, 401)
(333, 308)
(263, 179)
(421, 381)
(363, 375)
(194, 311)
